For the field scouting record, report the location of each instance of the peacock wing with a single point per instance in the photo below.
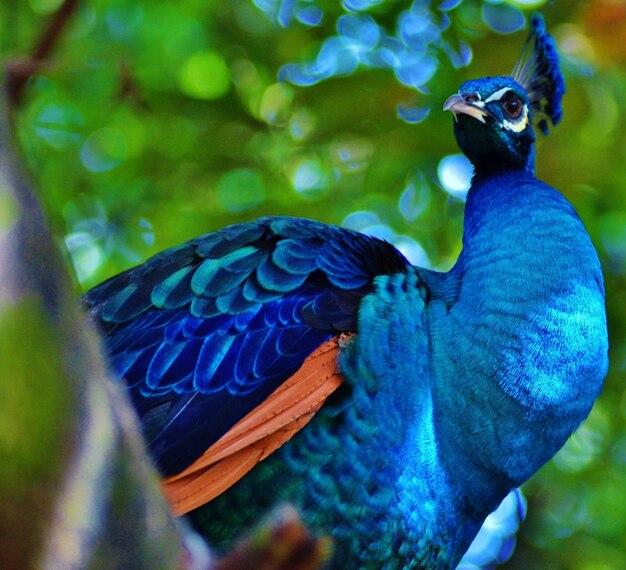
(205, 332)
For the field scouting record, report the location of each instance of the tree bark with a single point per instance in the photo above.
(76, 487)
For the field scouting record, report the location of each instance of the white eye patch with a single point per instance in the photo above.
(496, 96)
(517, 125)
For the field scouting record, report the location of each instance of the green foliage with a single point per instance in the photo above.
(157, 121)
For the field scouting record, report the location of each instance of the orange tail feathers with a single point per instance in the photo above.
(271, 424)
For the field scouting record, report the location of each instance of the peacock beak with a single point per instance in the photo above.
(458, 104)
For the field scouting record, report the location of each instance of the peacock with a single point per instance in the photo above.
(284, 359)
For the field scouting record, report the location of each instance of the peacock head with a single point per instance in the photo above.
(494, 115)
(493, 123)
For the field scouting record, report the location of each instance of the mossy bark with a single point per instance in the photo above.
(76, 487)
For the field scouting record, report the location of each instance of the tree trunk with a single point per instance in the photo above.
(76, 487)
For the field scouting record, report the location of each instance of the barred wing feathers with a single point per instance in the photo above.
(204, 332)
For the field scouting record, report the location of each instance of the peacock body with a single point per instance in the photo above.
(428, 396)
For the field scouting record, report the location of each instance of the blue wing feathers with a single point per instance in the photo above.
(217, 276)
(123, 362)
(135, 374)
(215, 325)
(234, 302)
(296, 256)
(161, 361)
(123, 302)
(253, 291)
(203, 307)
(273, 278)
(267, 356)
(172, 292)
(245, 358)
(214, 349)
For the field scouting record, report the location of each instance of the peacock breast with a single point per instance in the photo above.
(532, 287)
(520, 354)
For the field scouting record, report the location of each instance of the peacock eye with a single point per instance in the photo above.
(512, 107)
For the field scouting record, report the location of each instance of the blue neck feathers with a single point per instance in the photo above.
(524, 335)
(513, 359)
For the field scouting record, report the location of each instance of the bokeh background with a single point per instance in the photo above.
(159, 120)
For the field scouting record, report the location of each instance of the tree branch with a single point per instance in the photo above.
(20, 71)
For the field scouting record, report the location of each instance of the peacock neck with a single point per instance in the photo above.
(520, 352)
(529, 272)
(488, 165)
(514, 201)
